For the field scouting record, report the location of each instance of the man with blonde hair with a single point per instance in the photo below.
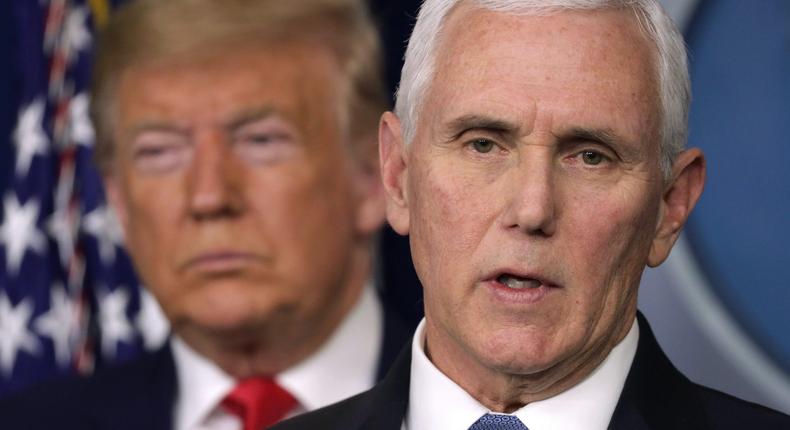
(237, 139)
(536, 159)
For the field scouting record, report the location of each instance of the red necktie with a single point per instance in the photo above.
(258, 402)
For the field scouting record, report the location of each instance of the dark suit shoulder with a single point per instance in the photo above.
(397, 333)
(345, 414)
(136, 393)
(728, 412)
(658, 396)
(380, 408)
(47, 405)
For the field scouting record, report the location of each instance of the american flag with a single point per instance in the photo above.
(69, 299)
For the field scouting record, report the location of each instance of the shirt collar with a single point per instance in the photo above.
(436, 402)
(344, 365)
(201, 386)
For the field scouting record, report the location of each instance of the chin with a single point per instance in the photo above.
(229, 309)
(228, 321)
(519, 353)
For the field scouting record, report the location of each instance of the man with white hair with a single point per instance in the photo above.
(536, 159)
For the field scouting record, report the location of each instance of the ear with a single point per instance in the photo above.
(370, 193)
(679, 198)
(115, 199)
(392, 158)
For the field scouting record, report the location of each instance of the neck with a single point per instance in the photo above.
(505, 392)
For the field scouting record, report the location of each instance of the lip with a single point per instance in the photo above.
(523, 296)
(218, 262)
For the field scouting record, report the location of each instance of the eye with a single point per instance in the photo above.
(261, 138)
(592, 158)
(481, 145)
(265, 141)
(159, 152)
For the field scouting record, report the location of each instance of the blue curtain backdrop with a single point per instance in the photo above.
(740, 67)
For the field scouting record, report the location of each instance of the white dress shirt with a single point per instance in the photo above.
(438, 403)
(345, 365)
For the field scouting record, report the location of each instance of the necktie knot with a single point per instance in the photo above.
(498, 422)
(258, 402)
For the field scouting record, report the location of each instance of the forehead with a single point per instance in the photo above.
(592, 66)
(293, 79)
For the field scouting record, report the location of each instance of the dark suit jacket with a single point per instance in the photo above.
(136, 396)
(655, 396)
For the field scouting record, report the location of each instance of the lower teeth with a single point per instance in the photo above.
(518, 284)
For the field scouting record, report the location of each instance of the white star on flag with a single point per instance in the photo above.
(19, 232)
(81, 128)
(104, 226)
(114, 325)
(14, 333)
(60, 324)
(75, 33)
(151, 321)
(29, 135)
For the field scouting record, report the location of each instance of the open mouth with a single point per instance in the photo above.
(519, 288)
(517, 282)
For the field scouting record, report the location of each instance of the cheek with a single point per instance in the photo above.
(303, 213)
(153, 220)
(152, 245)
(609, 241)
(449, 217)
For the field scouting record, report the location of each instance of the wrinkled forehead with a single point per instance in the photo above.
(588, 60)
(608, 42)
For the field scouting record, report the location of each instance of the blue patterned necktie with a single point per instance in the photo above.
(498, 422)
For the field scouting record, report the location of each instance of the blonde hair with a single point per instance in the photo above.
(147, 31)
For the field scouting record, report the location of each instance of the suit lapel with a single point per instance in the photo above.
(390, 398)
(656, 395)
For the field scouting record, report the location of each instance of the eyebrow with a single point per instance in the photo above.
(479, 122)
(605, 136)
(161, 126)
(247, 116)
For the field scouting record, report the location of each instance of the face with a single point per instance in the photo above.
(532, 192)
(244, 210)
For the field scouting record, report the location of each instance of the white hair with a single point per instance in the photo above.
(672, 74)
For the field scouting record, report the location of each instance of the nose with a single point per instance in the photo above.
(531, 205)
(214, 183)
